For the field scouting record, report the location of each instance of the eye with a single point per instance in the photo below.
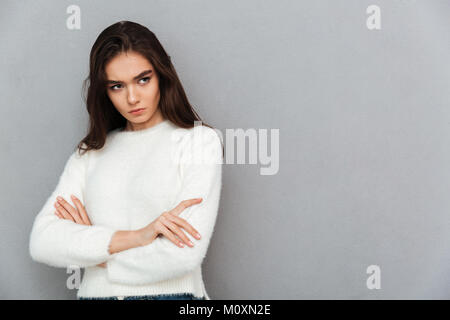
(146, 78)
(113, 87)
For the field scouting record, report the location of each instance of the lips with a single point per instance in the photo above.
(136, 110)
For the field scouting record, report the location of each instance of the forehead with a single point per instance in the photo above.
(126, 65)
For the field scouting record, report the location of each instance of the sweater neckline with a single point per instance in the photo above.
(154, 128)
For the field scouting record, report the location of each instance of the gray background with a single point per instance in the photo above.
(364, 124)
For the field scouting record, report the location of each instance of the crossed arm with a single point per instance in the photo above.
(61, 242)
(165, 224)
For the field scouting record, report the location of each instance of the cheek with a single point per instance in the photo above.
(152, 93)
(117, 100)
(157, 97)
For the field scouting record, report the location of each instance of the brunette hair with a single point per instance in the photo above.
(121, 37)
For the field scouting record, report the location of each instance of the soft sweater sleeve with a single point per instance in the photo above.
(162, 259)
(60, 242)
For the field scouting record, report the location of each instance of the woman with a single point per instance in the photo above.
(137, 201)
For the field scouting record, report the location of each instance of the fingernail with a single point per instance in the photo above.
(59, 198)
(181, 245)
(197, 235)
(72, 196)
(190, 243)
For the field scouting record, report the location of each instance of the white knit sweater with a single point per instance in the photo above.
(125, 185)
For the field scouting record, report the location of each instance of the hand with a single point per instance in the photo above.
(78, 215)
(166, 224)
(65, 211)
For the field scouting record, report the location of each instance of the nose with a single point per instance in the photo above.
(132, 95)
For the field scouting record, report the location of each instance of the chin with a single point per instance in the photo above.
(134, 121)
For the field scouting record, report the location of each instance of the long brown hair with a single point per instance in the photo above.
(121, 37)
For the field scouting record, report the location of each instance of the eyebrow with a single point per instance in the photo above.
(143, 73)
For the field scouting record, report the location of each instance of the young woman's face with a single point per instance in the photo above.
(133, 84)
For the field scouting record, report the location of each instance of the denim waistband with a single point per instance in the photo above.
(170, 296)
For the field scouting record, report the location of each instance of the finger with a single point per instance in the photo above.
(169, 235)
(71, 210)
(81, 210)
(186, 225)
(178, 232)
(185, 204)
(58, 215)
(63, 212)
